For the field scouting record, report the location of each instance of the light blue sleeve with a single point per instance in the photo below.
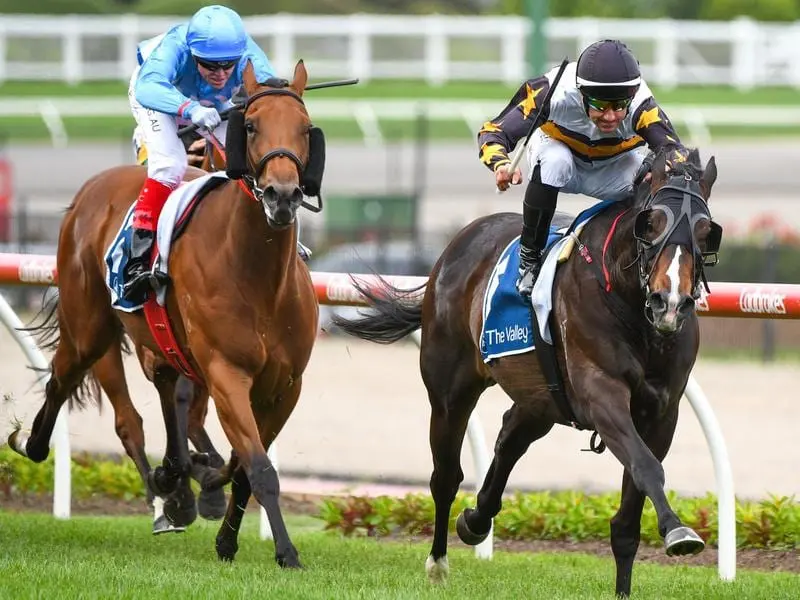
(154, 88)
(261, 66)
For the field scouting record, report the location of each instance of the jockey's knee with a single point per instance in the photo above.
(557, 165)
(168, 171)
(557, 170)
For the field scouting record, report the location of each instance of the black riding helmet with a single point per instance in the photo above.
(607, 70)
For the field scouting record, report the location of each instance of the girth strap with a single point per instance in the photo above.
(552, 374)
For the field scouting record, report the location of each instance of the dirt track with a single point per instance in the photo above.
(364, 414)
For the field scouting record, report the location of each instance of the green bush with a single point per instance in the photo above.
(56, 7)
(773, 523)
(116, 478)
(725, 10)
(570, 515)
(765, 10)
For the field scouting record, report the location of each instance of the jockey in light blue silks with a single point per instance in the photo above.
(188, 74)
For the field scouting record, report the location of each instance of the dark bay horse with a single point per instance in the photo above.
(241, 302)
(626, 338)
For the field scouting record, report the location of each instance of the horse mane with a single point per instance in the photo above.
(690, 164)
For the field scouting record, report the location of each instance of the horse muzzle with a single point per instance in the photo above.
(281, 201)
(667, 314)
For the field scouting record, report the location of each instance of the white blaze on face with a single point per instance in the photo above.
(674, 274)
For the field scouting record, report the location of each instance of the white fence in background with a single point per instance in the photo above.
(436, 48)
(369, 112)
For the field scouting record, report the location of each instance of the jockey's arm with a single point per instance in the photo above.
(154, 88)
(500, 135)
(653, 125)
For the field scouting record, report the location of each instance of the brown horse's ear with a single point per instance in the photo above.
(709, 177)
(300, 78)
(249, 79)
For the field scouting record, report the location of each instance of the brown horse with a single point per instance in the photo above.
(109, 374)
(625, 334)
(241, 301)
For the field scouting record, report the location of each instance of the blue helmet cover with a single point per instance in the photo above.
(216, 33)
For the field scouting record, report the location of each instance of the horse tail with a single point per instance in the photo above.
(45, 330)
(395, 313)
(44, 327)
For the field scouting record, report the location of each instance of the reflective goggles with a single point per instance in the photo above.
(604, 105)
(218, 65)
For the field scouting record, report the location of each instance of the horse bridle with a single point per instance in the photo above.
(683, 205)
(252, 180)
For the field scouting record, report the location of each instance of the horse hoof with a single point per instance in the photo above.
(438, 570)
(465, 533)
(683, 541)
(226, 550)
(161, 525)
(17, 442)
(288, 560)
(211, 504)
(180, 509)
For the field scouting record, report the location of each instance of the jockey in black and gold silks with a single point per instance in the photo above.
(594, 134)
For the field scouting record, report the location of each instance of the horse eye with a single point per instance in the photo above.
(249, 127)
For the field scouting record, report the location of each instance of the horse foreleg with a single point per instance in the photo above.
(172, 479)
(211, 502)
(609, 405)
(271, 416)
(453, 392)
(520, 428)
(227, 542)
(626, 525)
(231, 389)
(198, 410)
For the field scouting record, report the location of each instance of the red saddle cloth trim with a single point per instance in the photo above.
(161, 329)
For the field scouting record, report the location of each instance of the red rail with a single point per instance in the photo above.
(757, 300)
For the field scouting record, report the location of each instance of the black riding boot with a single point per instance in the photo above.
(137, 271)
(537, 212)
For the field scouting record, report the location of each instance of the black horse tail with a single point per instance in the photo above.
(45, 330)
(394, 313)
(44, 325)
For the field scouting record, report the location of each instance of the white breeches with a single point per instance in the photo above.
(156, 134)
(610, 179)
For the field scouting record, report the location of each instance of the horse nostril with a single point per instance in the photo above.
(657, 301)
(686, 305)
(284, 192)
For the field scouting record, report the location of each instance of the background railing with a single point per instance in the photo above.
(368, 112)
(743, 53)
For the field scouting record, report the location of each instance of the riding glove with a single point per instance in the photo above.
(205, 116)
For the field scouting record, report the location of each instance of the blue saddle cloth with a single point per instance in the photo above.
(116, 258)
(507, 320)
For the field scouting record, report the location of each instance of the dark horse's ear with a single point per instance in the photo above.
(709, 177)
(659, 170)
(300, 78)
